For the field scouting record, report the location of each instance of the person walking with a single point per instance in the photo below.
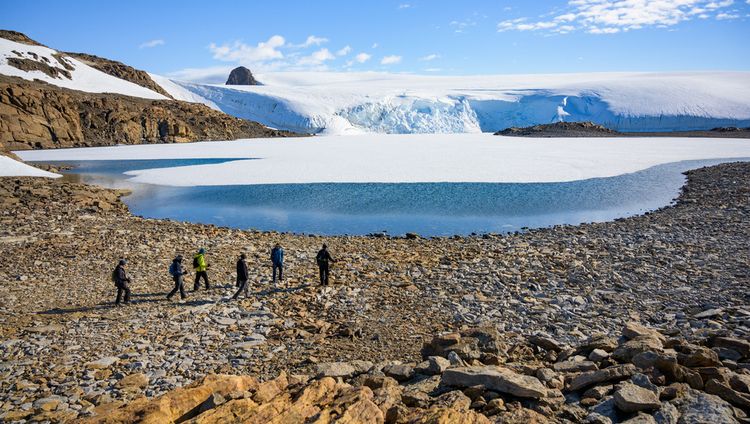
(324, 259)
(242, 277)
(177, 271)
(122, 282)
(277, 260)
(200, 266)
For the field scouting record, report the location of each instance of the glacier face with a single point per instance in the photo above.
(350, 103)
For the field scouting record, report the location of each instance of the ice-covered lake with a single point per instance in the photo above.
(434, 185)
(430, 209)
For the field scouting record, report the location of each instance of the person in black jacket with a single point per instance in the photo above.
(324, 258)
(122, 282)
(177, 271)
(242, 276)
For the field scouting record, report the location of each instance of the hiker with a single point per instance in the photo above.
(177, 271)
(324, 258)
(121, 281)
(199, 264)
(241, 276)
(277, 260)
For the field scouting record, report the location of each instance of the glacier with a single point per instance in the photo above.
(336, 103)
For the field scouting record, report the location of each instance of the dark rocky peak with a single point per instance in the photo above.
(241, 76)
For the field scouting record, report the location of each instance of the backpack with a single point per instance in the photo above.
(114, 275)
(196, 264)
(172, 269)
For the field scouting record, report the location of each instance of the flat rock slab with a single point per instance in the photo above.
(335, 369)
(608, 374)
(102, 363)
(632, 398)
(497, 379)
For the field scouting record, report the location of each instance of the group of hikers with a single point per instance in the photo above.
(200, 266)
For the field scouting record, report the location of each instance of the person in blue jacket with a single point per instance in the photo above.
(277, 260)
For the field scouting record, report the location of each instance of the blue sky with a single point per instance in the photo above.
(202, 40)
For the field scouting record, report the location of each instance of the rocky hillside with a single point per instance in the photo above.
(52, 99)
(37, 115)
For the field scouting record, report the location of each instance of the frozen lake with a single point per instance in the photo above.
(430, 209)
(434, 184)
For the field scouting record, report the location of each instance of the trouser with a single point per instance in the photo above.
(198, 276)
(243, 286)
(281, 270)
(323, 274)
(123, 288)
(178, 285)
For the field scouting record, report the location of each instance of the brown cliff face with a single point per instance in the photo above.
(120, 70)
(36, 115)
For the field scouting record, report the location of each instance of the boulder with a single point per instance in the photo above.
(335, 369)
(626, 351)
(497, 379)
(739, 345)
(631, 398)
(633, 330)
(400, 372)
(434, 365)
(697, 408)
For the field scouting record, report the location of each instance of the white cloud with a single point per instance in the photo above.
(242, 53)
(362, 57)
(374, 45)
(390, 60)
(211, 75)
(309, 42)
(316, 58)
(726, 16)
(613, 16)
(151, 43)
(430, 57)
(404, 6)
(344, 51)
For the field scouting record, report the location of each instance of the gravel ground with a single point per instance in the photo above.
(684, 269)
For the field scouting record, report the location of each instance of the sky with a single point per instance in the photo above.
(203, 40)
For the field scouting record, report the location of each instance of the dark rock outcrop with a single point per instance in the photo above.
(38, 115)
(241, 76)
(560, 129)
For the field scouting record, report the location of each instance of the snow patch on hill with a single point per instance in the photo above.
(82, 76)
(13, 168)
(345, 103)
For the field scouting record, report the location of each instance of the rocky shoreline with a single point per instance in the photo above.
(68, 353)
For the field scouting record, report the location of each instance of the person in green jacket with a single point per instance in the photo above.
(200, 266)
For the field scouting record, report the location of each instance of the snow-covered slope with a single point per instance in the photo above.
(82, 76)
(13, 168)
(339, 103)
